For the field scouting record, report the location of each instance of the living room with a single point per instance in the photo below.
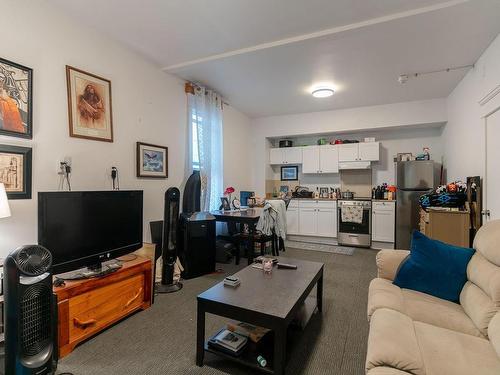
(330, 136)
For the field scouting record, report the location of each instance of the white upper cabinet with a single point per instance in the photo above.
(369, 151)
(310, 159)
(328, 159)
(292, 155)
(320, 159)
(366, 151)
(348, 152)
(285, 155)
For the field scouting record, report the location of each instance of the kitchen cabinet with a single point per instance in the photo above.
(320, 159)
(285, 155)
(292, 219)
(369, 151)
(383, 221)
(314, 218)
(366, 151)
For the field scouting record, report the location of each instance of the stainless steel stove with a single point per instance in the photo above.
(356, 230)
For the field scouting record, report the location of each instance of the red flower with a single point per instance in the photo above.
(229, 190)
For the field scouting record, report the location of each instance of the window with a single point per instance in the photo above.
(195, 123)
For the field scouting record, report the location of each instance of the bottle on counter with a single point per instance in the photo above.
(316, 193)
(374, 196)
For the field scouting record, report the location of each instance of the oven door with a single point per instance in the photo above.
(355, 228)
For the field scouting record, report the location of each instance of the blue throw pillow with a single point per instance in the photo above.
(434, 267)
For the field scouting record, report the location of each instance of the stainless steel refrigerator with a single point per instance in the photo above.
(413, 179)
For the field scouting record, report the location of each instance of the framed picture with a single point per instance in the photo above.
(152, 160)
(89, 106)
(16, 100)
(289, 173)
(284, 189)
(15, 171)
(323, 192)
(225, 204)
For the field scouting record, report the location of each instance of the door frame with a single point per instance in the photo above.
(489, 105)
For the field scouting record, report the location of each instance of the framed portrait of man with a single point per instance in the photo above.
(16, 100)
(89, 106)
(15, 171)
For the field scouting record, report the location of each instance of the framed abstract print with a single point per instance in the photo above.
(152, 160)
(289, 173)
(16, 100)
(89, 106)
(15, 171)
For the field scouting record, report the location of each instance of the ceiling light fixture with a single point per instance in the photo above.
(322, 92)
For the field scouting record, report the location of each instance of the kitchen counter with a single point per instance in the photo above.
(316, 199)
(338, 199)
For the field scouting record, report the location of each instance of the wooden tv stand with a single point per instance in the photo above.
(86, 307)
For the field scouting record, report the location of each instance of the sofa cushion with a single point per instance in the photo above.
(478, 306)
(447, 352)
(494, 333)
(392, 343)
(419, 306)
(487, 241)
(435, 268)
(386, 371)
(396, 341)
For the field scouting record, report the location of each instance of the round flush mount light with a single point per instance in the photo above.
(322, 92)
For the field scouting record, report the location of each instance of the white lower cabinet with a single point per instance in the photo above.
(314, 218)
(383, 221)
(292, 220)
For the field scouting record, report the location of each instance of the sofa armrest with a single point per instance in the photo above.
(388, 262)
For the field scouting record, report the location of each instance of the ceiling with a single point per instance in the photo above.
(265, 56)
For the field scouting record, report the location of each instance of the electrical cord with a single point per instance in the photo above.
(116, 178)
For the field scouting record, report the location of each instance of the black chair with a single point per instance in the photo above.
(156, 238)
(258, 237)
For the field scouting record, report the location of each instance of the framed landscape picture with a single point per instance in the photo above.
(89, 106)
(152, 161)
(16, 100)
(289, 173)
(15, 171)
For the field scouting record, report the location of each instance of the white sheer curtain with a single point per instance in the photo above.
(205, 138)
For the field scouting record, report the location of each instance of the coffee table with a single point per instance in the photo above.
(270, 301)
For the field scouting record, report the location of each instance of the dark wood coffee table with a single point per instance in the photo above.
(270, 301)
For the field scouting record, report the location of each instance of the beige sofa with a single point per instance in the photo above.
(415, 333)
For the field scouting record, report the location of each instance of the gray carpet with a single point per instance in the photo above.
(161, 340)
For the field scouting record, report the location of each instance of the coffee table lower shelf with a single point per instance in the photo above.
(247, 358)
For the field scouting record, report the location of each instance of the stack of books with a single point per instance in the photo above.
(228, 342)
(254, 333)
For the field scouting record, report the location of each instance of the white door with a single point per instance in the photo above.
(369, 151)
(310, 159)
(292, 155)
(276, 156)
(492, 204)
(328, 159)
(307, 221)
(292, 220)
(348, 152)
(326, 222)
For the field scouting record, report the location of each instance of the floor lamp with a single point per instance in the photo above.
(4, 203)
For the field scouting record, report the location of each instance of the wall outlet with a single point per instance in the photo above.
(60, 165)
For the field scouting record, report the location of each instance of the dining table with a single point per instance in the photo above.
(249, 216)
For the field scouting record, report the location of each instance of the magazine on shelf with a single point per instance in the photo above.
(254, 333)
(230, 340)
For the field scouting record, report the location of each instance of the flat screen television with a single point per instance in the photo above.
(86, 228)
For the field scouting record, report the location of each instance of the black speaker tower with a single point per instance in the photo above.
(30, 312)
(169, 248)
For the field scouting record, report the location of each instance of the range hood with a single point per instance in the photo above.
(354, 165)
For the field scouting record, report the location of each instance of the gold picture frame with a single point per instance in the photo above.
(89, 105)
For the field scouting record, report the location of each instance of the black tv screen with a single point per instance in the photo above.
(85, 228)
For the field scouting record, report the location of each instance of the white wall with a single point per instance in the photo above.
(347, 121)
(148, 105)
(238, 166)
(464, 134)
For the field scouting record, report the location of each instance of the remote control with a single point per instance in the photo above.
(287, 266)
